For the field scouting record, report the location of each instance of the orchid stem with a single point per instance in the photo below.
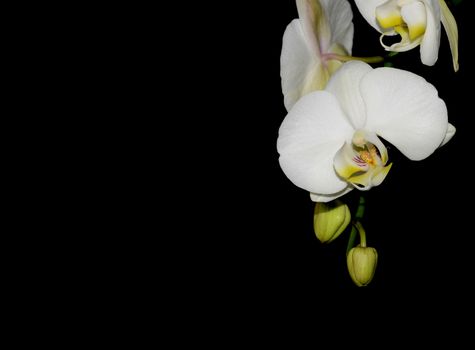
(374, 59)
(360, 210)
(357, 227)
(362, 232)
(351, 240)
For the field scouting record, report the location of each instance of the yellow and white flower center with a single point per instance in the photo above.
(370, 156)
(408, 18)
(363, 161)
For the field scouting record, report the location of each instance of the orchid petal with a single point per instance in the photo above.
(313, 23)
(339, 16)
(345, 164)
(367, 9)
(414, 16)
(388, 14)
(405, 44)
(361, 163)
(404, 109)
(431, 40)
(380, 174)
(362, 181)
(333, 66)
(309, 137)
(300, 69)
(316, 197)
(345, 85)
(448, 134)
(402, 3)
(374, 177)
(450, 26)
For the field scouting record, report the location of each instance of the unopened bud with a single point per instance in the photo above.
(362, 263)
(330, 220)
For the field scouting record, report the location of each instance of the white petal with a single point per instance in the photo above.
(416, 19)
(431, 39)
(367, 9)
(402, 3)
(345, 85)
(300, 69)
(448, 134)
(405, 44)
(374, 177)
(405, 110)
(451, 29)
(309, 137)
(313, 21)
(327, 198)
(339, 16)
(388, 15)
(380, 175)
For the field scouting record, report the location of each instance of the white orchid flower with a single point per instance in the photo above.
(329, 142)
(311, 46)
(416, 21)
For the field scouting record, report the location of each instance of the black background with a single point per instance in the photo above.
(189, 223)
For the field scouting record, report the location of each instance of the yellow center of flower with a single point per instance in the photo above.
(363, 161)
(369, 156)
(408, 18)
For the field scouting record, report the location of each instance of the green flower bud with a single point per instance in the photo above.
(330, 220)
(362, 263)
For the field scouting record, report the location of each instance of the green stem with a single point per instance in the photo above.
(362, 232)
(354, 230)
(392, 53)
(360, 210)
(374, 59)
(351, 240)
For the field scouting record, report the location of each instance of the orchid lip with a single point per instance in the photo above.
(406, 18)
(362, 162)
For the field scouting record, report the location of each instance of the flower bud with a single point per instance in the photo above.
(330, 220)
(362, 263)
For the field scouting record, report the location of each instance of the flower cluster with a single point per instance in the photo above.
(341, 109)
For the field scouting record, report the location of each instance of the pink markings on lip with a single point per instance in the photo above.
(360, 162)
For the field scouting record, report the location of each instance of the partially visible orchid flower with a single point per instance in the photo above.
(416, 21)
(311, 46)
(329, 141)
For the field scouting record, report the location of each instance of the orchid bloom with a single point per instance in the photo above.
(312, 44)
(329, 141)
(416, 21)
